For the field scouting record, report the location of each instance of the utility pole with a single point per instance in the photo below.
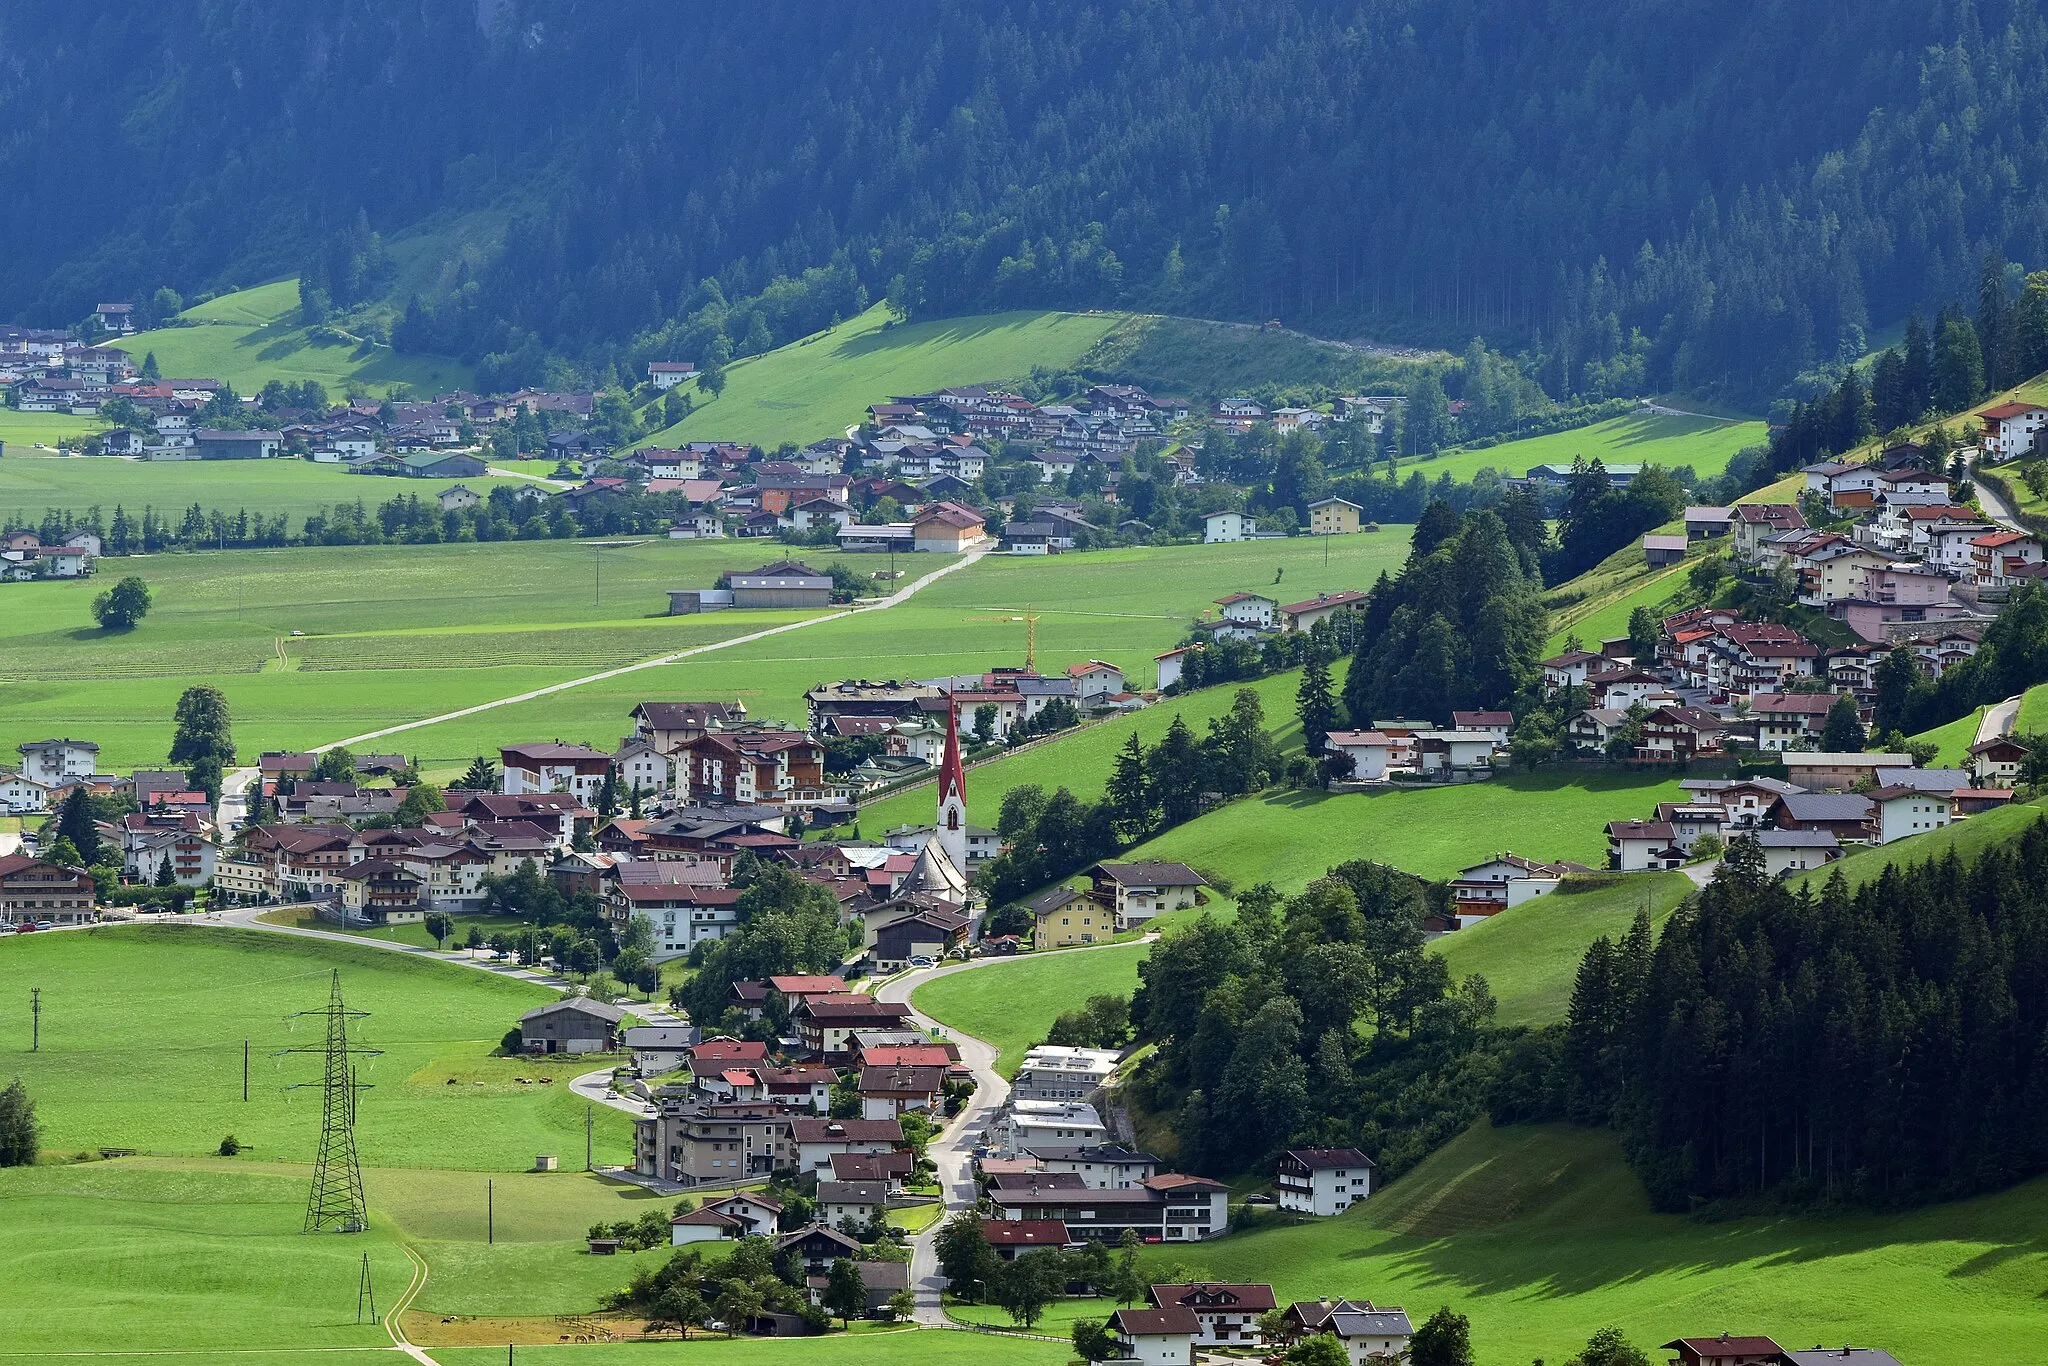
(35, 1010)
(366, 1294)
(337, 1198)
(245, 1071)
(589, 1121)
(490, 1211)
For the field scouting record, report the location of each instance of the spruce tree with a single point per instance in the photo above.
(75, 822)
(1315, 703)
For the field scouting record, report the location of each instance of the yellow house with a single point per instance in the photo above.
(1332, 517)
(1064, 916)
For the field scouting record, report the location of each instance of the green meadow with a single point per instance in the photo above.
(1289, 836)
(1541, 1235)
(908, 1347)
(253, 336)
(1012, 1004)
(822, 384)
(31, 485)
(1704, 443)
(22, 433)
(399, 633)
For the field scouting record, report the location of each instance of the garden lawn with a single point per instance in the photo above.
(1530, 955)
(31, 485)
(1012, 1003)
(820, 385)
(1704, 443)
(1541, 1235)
(142, 1044)
(253, 336)
(1290, 836)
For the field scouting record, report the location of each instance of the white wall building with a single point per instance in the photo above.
(1322, 1181)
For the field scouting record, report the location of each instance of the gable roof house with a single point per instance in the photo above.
(1139, 891)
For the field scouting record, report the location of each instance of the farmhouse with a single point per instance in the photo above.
(1222, 527)
(1064, 916)
(1726, 1351)
(1155, 1337)
(552, 767)
(1227, 1315)
(1333, 517)
(575, 1025)
(32, 892)
(1170, 1207)
(1368, 1333)
(785, 583)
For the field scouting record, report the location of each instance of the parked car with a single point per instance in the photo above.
(26, 926)
(921, 961)
(46, 924)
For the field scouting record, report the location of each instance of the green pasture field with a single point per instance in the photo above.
(1705, 443)
(1529, 955)
(1011, 1005)
(1289, 836)
(142, 1039)
(1541, 1235)
(1124, 606)
(253, 336)
(23, 432)
(392, 634)
(414, 934)
(31, 485)
(2033, 717)
(819, 385)
(1204, 359)
(1955, 739)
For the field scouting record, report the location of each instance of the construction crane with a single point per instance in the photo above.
(1030, 620)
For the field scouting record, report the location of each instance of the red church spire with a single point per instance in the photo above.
(952, 777)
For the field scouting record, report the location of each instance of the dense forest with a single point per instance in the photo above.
(1716, 195)
(1887, 1045)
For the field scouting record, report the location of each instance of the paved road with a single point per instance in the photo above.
(1996, 507)
(953, 1151)
(536, 478)
(1999, 719)
(895, 599)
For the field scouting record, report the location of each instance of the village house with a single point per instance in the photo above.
(1726, 1351)
(1060, 1072)
(1169, 1207)
(1787, 719)
(1322, 1181)
(772, 767)
(52, 762)
(670, 726)
(1824, 770)
(1139, 891)
(1155, 1337)
(1844, 815)
(1301, 616)
(817, 1140)
(1369, 1334)
(34, 892)
(1064, 916)
(2011, 430)
(1903, 811)
(1223, 527)
(1008, 1238)
(552, 767)
(693, 1142)
(1333, 517)
(1503, 881)
(1796, 851)
(1996, 762)
(891, 1092)
(1226, 1315)
(1639, 846)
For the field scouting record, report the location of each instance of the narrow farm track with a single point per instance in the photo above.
(900, 596)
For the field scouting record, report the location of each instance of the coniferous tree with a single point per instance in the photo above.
(76, 822)
(20, 1134)
(1315, 705)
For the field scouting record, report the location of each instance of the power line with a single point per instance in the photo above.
(337, 1199)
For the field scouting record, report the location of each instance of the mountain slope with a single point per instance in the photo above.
(1749, 182)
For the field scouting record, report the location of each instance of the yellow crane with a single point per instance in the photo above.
(1030, 620)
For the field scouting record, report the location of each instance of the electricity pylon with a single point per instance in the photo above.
(337, 1200)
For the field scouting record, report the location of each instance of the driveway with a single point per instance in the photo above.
(1999, 719)
(953, 1151)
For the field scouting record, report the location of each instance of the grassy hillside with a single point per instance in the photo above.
(1203, 360)
(253, 336)
(820, 385)
(1705, 443)
(1289, 837)
(1011, 1005)
(1530, 954)
(1968, 838)
(1541, 1235)
(32, 484)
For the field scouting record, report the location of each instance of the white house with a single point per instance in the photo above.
(1059, 1072)
(1370, 1334)
(1373, 753)
(1503, 881)
(1322, 1181)
(1155, 1337)
(20, 795)
(1901, 812)
(1226, 1315)
(1170, 665)
(1060, 1123)
(1251, 609)
(1796, 851)
(658, 1048)
(552, 767)
(667, 374)
(1229, 526)
(2010, 428)
(640, 765)
(1095, 680)
(1636, 846)
(51, 761)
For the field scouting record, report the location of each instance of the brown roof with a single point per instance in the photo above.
(1152, 1322)
(1212, 1294)
(1024, 1232)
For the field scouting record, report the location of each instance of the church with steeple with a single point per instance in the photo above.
(952, 827)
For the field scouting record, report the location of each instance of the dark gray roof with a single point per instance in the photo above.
(1925, 779)
(1797, 839)
(1842, 1356)
(1825, 806)
(598, 1010)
